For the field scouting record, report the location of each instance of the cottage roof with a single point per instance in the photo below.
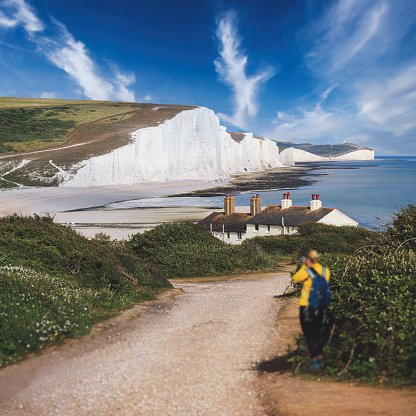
(293, 216)
(234, 222)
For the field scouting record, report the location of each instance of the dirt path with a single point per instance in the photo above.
(285, 395)
(193, 354)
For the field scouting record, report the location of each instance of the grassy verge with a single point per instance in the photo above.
(55, 284)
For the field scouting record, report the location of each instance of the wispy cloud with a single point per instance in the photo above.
(312, 125)
(19, 13)
(231, 66)
(69, 54)
(350, 32)
(390, 102)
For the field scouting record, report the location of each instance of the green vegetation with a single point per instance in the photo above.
(55, 284)
(188, 250)
(31, 128)
(372, 319)
(324, 238)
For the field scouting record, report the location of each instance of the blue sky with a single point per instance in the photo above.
(305, 71)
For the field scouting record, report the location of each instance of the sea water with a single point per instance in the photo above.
(370, 192)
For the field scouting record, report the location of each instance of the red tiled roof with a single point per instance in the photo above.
(234, 222)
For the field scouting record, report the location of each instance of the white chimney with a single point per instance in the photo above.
(286, 201)
(315, 203)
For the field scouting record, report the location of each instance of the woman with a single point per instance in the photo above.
(312, 313)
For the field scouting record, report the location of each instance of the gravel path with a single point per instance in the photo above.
(193, 355)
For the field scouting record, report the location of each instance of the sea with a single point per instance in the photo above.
(370, 192)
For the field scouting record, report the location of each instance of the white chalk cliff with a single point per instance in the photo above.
(191, 145)
(364, 154)
(291, 155)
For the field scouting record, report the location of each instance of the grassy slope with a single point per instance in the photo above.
(30, 125)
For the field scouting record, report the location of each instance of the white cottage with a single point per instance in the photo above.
(232, 227)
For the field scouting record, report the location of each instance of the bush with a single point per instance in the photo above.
(188, 250)
(323, 238)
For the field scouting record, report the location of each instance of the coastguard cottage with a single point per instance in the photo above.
(233, 227)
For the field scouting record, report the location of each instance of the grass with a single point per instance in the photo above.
(17, 102)
(36, 126)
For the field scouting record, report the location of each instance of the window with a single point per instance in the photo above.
(256, 227)
(239, 235)
(228, 234)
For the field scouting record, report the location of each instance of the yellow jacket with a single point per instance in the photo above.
(302, 276)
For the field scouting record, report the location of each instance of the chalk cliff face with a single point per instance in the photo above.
(191, 145)
(291, 155)
(357, 155)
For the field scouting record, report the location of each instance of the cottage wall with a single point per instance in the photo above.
(263, 230)
(339, 219)
(230, 238)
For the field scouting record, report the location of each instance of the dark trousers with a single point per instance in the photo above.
(313, 326)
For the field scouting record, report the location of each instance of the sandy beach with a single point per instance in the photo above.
(70, 206)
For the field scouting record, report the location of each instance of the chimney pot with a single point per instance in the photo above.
(317, 197)
(313, 197)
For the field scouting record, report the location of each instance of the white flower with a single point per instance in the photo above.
(389, 328)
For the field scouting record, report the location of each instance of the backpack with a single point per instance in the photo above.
(320, 293)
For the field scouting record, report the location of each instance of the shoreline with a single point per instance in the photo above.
(85, 208)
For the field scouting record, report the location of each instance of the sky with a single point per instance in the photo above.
(312, 71)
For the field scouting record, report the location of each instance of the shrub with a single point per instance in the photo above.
(323, 238)
(188, 250)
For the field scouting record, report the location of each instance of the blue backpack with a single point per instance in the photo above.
(320, 293)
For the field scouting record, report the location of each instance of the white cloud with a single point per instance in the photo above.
(350, 34)
(231, 67)
(122, 81)
(18, 12)
(147, 97)
(70, 55)
(47, 95)
(391, 102)
(308, 125)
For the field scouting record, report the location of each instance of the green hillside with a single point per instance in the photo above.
(28, 125)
